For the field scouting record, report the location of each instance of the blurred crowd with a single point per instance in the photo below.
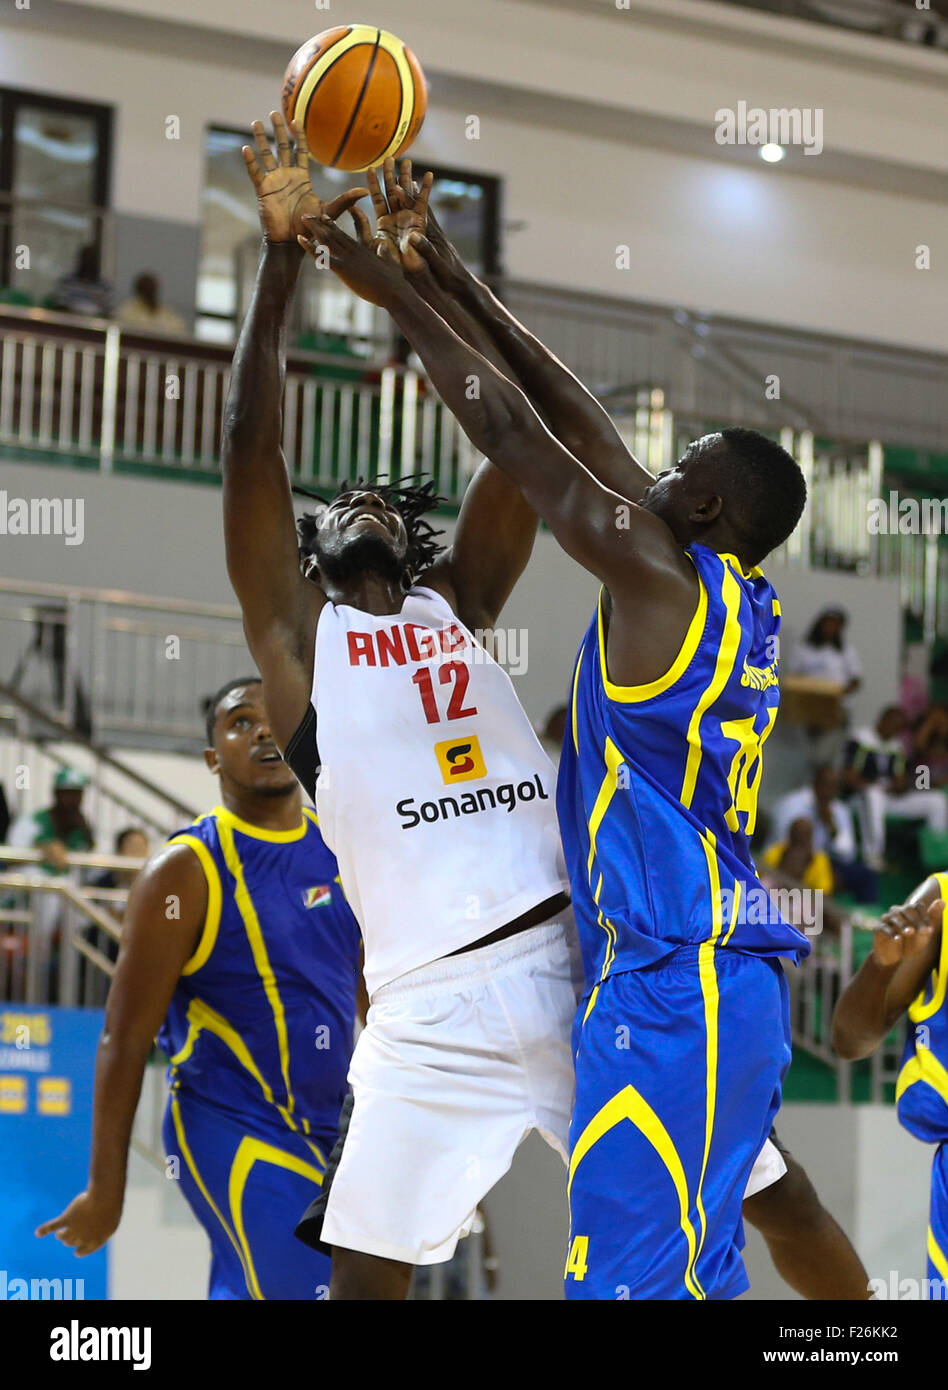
(53, 836)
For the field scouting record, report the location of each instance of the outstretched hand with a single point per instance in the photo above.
(368, 266)
(904, 931)
(285, 194)
(401, 211)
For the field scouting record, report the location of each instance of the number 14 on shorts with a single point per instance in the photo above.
(577, 1261)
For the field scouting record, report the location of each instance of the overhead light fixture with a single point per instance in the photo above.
(772, 153)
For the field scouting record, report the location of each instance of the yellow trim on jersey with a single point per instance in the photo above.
(258, 948)
(707, 975)
(574, 717)
(189, 1160)
(924, 1066)
(613, 760)
(755, 571)
(257, 832)
(203, 1019)
(629, 694)
(320, 1156)
(918, 1009)
(630, 1105)
(738, 888)
(723, 667)
(251, 1151)
(937, 1255)
(215, 896)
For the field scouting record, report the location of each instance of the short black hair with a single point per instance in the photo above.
(123, 835)
(212, 701)
(411, 497)
(766, 491)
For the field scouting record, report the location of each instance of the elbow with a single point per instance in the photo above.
(846, 1045)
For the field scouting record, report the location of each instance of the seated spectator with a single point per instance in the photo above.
(930, 745)
(145, 311)
(131, 843)
(825, 652)
(875, 770)
(84, 291)
(60, 828)
(799, 860)
(57, 830)
(834, 832)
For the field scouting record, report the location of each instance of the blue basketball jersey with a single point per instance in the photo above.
(658, 784)
(922, 1091)
(261, 1022)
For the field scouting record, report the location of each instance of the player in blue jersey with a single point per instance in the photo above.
(907, 972)
(240, 952)
(682, 1040)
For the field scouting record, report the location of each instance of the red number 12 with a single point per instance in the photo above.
(455, 673)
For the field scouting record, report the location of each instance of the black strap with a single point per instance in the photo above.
(302, 753)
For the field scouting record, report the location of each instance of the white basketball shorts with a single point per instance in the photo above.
(458, 1061)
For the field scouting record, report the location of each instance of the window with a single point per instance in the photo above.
(54, 171)
(465, 204)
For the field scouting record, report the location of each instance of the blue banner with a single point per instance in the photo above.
(47, 1065)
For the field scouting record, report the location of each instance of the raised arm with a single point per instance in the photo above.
(904, 952)
(572, 413)
(156, 945)
(279, 606)
(497, 526)
(629, 549)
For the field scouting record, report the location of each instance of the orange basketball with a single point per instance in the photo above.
(359, 94)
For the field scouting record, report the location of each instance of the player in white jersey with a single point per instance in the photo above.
(434, 793)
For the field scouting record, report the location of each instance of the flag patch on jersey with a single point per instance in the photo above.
(318, 896)
(460, 759)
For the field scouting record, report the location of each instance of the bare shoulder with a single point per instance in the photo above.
(174, 868)
(439, 578)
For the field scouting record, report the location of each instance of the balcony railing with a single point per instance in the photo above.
(87, 390)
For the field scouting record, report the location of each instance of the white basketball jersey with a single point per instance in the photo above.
(434, 792)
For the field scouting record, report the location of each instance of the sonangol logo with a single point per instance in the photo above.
(460, 760)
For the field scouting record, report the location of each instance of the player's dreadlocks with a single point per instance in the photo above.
(410, 496)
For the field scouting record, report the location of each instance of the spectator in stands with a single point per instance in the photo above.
(58, 829)
(84, 291)
(930, 745)
(875, 769)
(826, 653)
(131, 843)
(145, 311)
(798, 859)
(834, 832)
(795, 863)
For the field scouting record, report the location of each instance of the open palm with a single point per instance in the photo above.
(284, 192)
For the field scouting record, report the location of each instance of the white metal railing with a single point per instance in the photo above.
(118, 796)
(815, 987)
(47, 923)
(90, 390)
(103, 660)
(123, 399)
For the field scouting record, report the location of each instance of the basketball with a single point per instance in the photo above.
(359, 93)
